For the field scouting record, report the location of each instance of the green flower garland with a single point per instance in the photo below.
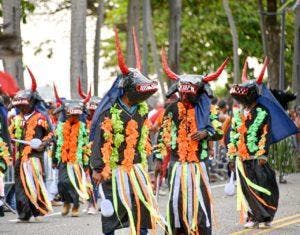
(253, 129)
(118, 134)
(18, 132)
(173, 135)
(82, 142)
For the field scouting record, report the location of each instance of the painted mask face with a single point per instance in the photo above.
(137, 87)
(190, 86)
(248, 91)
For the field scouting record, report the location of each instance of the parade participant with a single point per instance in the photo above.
(120, 135)
(91, 106)
(29, 124)
(187, 127)
(259, 123)
(71, 152)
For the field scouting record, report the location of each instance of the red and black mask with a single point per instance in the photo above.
(74, 107)
(26, 99)
(136, 86)
(190, 86)
(248, 92)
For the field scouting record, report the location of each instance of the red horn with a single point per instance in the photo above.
(166, 68)
(244, 73)
(262, 72)
(138, 64)
(33, 80)
(121, 60)
(88, 97)
(58, 100)
(79, 88)
(215, 75)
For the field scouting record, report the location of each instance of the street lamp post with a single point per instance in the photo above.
(282, 49)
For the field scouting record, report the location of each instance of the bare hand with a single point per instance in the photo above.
(231, 166)
(262, 162)
(199, 135)
(158, 168)
(42, 147)
(97, 177)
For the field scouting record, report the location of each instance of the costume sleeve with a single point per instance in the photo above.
(96, 159)
(214, 128)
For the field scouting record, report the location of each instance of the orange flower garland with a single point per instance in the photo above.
(187, 148)
(70, 136)
(262, 142)
(131, 141)
(243, 151)
(107, 147)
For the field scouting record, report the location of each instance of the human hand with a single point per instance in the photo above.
(199, 135)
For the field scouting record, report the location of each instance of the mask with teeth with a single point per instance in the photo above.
(70, 107)
(248, 92)
(190, 86)
(136, 86)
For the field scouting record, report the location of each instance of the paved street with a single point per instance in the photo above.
(287, 220)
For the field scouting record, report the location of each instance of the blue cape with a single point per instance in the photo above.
(202, 111)
(105, 104)
(281, 124)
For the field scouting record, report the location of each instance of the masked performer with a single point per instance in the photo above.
(92, 189)
(187, 127)
(30, 123)
(120, 135)
(261, 122)
(71, 152)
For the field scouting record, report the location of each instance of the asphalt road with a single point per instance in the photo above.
(287, 220)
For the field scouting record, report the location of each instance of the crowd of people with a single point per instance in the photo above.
(72, 150)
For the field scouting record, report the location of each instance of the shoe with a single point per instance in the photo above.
(22, 220)
(66, 209)
(92, 210)
(268, 224)
(1, 211)
(75, 212)
(251, 224)
(38, 219)
(56, 203)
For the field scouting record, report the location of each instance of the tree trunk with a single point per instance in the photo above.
(235, 41)
(145, 37)
(262, 23)
(174, 34)
(154, 51)
(296, 65)
(99, 21)
(11, 21)
(78, 45)
(133, 20)
(273, 43)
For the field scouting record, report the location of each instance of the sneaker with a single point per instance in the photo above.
(75, 212)
(92, 210)
(268, 224)
(56, 203)
(251, 224)
(66, 209)
(22, 220)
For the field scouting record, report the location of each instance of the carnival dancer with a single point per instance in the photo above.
(120, 135)
(92, 189)
(29, 124)
(260, 122)
(187, 128)
(71, 152)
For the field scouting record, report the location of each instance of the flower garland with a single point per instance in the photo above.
(131, 141)
(144, 146)
(239, 130)
(72, 143)
(15, 130)
(187, 148)
(4, 154)
(113, 135)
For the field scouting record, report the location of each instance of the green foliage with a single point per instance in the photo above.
(221, 92)
(26, 8)
(282, 156)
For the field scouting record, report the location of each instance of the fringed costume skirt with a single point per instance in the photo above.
(72, 183)
(257, 191)
(189, 205)
(133, 200)
(31, 194)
